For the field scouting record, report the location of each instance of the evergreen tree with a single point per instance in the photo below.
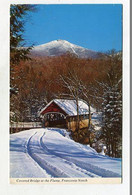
(112, 107)
(112, 120)
(17, 51)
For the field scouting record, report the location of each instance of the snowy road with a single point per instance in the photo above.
(51, 153)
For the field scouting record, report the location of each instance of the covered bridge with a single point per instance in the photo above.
(63, 113)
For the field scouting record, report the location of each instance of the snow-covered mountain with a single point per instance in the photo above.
(60, 47)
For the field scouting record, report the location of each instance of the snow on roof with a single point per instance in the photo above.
(70, 107)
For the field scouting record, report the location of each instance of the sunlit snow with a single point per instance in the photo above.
(50, 152)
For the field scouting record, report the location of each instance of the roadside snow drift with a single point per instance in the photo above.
(49, 152)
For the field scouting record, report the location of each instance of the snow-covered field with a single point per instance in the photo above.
(49, 152)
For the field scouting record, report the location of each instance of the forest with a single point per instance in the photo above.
(97, 81)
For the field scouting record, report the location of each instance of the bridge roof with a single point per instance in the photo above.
(69, 106)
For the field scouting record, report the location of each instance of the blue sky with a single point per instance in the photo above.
(96, 27)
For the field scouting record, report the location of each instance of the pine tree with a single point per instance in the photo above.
(112, 121)
(112, 107)
(17, 51)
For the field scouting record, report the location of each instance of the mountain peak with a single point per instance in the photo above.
(61, 40)
(60, 47)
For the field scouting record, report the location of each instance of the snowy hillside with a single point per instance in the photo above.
(50, 152)
(59, 47)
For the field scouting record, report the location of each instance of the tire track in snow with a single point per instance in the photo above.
(74, 166)
(93, 170)
(50, 169)
(30, 156)
(54, 165)
(21, 163)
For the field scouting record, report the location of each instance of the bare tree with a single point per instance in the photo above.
(73, 87)
(76, 89)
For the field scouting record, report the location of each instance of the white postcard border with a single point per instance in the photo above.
(96, 189)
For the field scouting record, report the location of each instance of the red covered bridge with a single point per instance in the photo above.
(63, 113)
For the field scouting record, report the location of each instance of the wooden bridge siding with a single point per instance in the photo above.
(72, 124)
